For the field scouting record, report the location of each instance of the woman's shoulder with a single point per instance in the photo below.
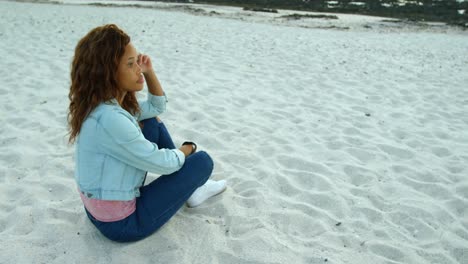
(116, 121)
(108, 110)
(109, 115)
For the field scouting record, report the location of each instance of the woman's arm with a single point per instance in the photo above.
(121, 139)
(155, 104)
(154, 87)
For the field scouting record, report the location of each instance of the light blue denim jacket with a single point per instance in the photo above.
(112, 156)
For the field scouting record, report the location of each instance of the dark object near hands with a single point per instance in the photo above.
(194, 146)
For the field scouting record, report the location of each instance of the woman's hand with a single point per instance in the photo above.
(186, 149)
(154, 87)
(144, 61)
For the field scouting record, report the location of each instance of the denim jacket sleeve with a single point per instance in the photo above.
(124, 141)
(153, 106)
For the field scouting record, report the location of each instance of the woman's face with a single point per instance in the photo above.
(129, 76)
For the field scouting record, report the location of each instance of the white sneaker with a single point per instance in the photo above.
(207, 190)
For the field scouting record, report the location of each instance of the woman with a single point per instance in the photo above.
(118, 140)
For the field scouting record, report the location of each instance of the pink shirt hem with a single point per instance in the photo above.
(109, 211)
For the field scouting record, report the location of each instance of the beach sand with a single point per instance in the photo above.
(342, 145)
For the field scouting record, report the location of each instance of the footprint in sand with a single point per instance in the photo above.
(387, 252)
(441, 152)
(396, 152)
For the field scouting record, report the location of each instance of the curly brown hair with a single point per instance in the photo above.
(94, 75)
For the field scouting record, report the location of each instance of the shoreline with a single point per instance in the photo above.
(284, 17)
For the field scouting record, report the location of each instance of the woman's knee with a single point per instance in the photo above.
(204, 159)
(153, 120)
(146, 122)
(207, 158)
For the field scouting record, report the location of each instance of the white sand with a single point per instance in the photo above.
(281, 109)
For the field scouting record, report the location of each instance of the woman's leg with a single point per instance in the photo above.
(163, 197)
(155, 131)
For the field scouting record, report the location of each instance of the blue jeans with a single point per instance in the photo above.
(163, 197)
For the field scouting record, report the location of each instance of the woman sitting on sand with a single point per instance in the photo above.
(118, 139)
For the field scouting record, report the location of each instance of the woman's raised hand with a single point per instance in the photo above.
(154, 87)
(144, 61)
